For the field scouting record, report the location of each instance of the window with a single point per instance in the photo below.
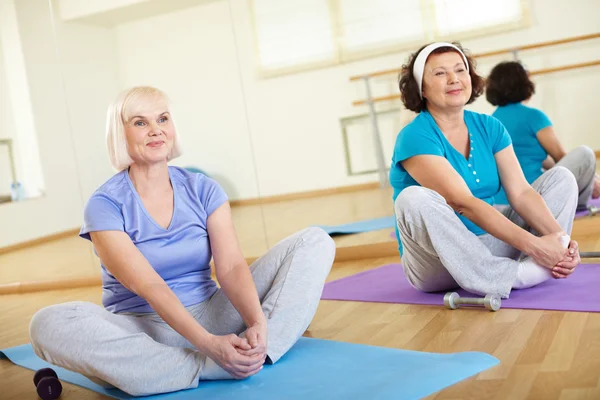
(292, 35)
(293, 32)
(380, 23)
(458, 16)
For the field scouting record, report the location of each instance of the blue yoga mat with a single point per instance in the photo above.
(316, 369)
(360, 226)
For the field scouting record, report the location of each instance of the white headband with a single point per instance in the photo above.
(419, 65)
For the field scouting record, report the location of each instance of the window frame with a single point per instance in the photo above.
(343, 56)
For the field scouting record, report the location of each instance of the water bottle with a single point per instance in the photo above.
(16, 191)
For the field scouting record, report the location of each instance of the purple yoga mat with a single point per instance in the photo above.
(593, 203)
(387, 284)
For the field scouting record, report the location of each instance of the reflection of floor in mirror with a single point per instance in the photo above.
(283, 218)
(73, 256)
(62, 258)
(543, 354)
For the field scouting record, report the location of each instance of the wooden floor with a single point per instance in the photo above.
(544, 354)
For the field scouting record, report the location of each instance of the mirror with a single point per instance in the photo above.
(21, 175)
(105, 48)
(264, 103)
(36, 153)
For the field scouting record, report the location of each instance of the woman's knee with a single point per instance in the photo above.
(413, 199)
(586, 155)
(47, 324)
(322, 244)
(562, 176)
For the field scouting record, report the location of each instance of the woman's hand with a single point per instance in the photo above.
(567, 266)
(256, 336)
(227, 350)
(548, 250)
(596, 189)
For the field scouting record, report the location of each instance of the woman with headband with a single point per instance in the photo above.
(536, 145)
(447, 166)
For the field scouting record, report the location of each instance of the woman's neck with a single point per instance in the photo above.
(150, 180)
(448, 120)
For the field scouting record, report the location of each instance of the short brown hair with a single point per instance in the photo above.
(409, 90)
(508, 83)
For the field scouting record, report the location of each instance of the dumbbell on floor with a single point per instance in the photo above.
(47, 384)
(492, 301)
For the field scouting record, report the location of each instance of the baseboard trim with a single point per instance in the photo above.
(304, 195)
(40, 240)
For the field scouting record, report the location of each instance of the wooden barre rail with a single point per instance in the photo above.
(55, 284)
(495, 52)
(65, 283)
(540, 45)
(565, 67)
(537, 72)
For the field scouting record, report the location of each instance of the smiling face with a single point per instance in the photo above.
(446, 81)
(149, 131)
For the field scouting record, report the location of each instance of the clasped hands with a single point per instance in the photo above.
(550, 253)
(240, 357)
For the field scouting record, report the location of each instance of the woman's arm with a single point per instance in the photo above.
(522, 197)
(127, 264)
(549, 141)
(436, 173)
(234, 274)
(532, 207)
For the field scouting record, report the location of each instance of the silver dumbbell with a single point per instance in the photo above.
(491, 301)
(593, 210)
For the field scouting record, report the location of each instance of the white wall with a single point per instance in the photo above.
(113, 12)
(76, 9)
(88, 62)
(191, 55)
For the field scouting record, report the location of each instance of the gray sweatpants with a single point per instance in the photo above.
(581, 161)
(440, 253)
(142, 355)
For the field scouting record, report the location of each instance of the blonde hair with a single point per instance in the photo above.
(118, 115)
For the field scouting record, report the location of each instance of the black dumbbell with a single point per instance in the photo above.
(47, 384)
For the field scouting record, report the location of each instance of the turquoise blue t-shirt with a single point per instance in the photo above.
(523, 124)
(180, 254)
(422, 136)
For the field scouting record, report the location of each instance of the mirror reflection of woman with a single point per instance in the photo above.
(535, 141)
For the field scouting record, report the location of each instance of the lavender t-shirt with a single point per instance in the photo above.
(180, 254)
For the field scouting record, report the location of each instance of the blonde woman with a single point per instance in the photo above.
(164, 324)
